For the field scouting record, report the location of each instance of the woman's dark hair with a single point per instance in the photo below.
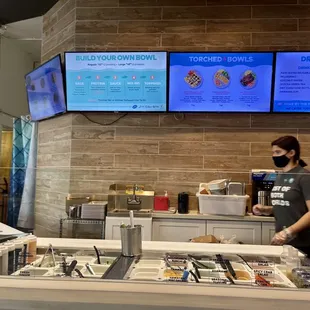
(289, 143)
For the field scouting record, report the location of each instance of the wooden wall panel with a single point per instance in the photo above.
(166, 151)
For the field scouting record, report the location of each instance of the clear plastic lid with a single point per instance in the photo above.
(25, 240)
(31, 238)
(19, 244)
(217, 184)
(10, 246)
(4, 249)
(294, 252)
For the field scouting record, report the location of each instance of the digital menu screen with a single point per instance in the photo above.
(292, 82)
(220, 82)
(117, 82)
(45, 90)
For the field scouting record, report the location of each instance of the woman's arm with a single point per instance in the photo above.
(303, 223)
(287, 234)
(262, 210)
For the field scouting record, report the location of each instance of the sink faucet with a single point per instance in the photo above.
(134, 200)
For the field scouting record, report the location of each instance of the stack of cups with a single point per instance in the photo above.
(5, 260)
(19, 246)
(11, 257)
(32, 249)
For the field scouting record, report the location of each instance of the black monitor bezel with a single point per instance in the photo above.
(63, 83)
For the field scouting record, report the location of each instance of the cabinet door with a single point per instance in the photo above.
(113, 227)
(268, 231)
(246, 232)
(178, 230)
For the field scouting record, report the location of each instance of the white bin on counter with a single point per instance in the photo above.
(222, 204)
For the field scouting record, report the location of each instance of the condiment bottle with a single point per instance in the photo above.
(292, 262)
(5, 260)
(285, 253)
(11, 257)
(32, 249)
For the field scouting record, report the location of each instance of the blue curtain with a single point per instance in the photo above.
(26, 213)
(22, 130)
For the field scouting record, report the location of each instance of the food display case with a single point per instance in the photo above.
(71, 272)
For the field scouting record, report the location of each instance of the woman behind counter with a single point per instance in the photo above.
(290, 196)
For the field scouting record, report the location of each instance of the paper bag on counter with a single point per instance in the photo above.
(205, 239)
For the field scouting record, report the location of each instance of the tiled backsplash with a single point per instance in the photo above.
(201, 25)
(165, 151)
(83, 158)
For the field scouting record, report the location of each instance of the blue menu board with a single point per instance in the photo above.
(292, 82)
(220, 82)
(45, 90)
(117, 82)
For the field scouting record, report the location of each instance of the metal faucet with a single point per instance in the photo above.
(134, 200)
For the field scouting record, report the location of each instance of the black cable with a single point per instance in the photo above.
(197, 271)
(180, 119)
(71, 268)
(79, 273)
(8, 114)
(13, 116)
(107, 124)
(98, 255)
(244, 261)
(194, 276)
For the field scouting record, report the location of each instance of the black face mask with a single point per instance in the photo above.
(281, 161)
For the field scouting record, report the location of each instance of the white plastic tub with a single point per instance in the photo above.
(222, 204)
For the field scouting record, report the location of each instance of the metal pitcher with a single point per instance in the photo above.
(131, 238)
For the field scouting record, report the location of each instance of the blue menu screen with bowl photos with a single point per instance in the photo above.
(45, 90)
(117, 81)
(220, 82)
(292, 82)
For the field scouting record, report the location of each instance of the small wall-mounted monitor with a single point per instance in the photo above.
(45, 90)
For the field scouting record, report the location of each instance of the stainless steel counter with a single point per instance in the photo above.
(30, 293)
(194, 215)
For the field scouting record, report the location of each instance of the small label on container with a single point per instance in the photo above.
(219, 281)
(262, 264)
(264, 272)
(219, 270)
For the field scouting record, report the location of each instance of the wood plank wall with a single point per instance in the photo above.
(162, 150)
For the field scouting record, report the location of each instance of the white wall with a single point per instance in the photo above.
(14, 64)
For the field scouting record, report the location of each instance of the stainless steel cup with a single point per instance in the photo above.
(72, 212)
(78, 211)
(131, 238)
(264, 198)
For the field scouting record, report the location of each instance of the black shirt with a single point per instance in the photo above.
(288, 198)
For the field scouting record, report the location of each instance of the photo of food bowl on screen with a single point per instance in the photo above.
(220, 82)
